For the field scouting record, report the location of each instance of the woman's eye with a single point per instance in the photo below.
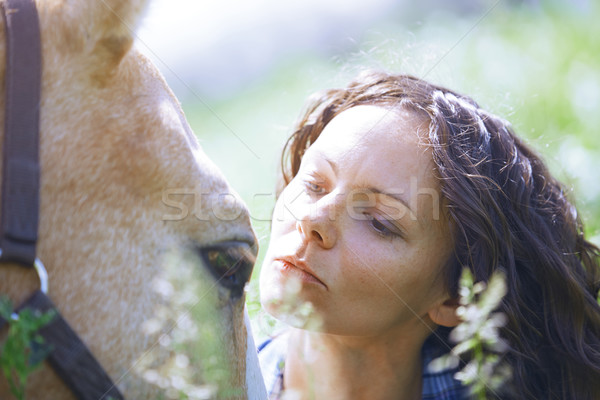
(314, 187)
(383, 228)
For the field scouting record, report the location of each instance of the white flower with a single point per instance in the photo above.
(478, 335)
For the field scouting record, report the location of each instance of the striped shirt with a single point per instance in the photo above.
(436, 386)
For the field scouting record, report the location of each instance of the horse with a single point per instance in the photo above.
(127, 198)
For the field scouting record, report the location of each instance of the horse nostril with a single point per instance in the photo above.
(230, 263)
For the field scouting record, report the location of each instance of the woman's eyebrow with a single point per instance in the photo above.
(394, 196)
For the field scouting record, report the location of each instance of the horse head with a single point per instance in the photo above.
(129, 203)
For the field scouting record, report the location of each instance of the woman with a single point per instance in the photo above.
(392, 187)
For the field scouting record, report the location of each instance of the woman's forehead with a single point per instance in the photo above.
(390, 140)
(366, 121)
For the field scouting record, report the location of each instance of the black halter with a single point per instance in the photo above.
(70, 358)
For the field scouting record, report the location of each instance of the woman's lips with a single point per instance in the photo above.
(299, 270)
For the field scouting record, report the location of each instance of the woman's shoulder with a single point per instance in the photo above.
(439, 385)
(436, 385)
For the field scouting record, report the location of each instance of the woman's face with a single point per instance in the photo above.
(359, 233)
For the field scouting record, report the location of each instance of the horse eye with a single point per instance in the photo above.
(231, 264)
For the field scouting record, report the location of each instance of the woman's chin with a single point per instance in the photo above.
(297, 314)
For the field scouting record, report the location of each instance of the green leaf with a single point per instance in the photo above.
(24, 348)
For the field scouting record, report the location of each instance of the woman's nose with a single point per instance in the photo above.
(318, 223)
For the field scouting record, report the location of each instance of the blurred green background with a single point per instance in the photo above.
(537, 64)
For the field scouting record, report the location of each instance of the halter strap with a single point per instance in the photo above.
(69, 357)
(21, 166)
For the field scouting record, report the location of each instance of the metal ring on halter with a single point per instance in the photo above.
(41, 272)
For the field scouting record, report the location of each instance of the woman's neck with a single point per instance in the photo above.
(322, 366)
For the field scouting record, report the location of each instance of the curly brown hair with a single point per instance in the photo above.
(509, 213)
